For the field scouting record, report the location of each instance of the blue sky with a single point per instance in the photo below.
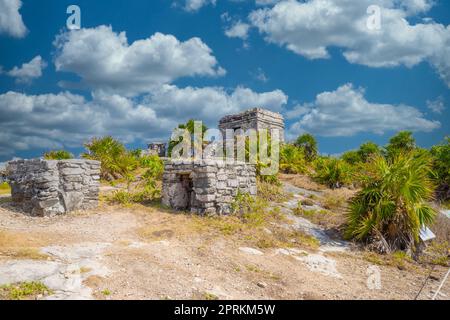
(314, 63)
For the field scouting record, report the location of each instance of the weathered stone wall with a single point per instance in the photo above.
(206, 187)
(51, 187)
(256, 118)
(156, 148)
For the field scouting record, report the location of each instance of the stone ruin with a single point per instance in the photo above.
(156, 148)
(206, 187)
(255, 118)
(53, 187)
(209, 186)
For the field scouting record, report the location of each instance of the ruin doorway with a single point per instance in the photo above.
(185, 193)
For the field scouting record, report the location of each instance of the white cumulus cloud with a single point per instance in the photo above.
(310, 28)
(195, 5)
(346, 112)
(11, 22)
(104, 59)
(67, 120)
(28, 71)
(238, 30)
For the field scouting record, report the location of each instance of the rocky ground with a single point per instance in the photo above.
(145, 252)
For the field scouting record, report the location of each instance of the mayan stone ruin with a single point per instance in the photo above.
(206, 187)
(255, 118)
(52, 187)
(156, 148)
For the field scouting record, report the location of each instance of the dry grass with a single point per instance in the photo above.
(301, 181)
(272, 192)
(21, 246)
(259, 229)
(398, 259)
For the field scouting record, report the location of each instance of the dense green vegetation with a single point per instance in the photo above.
(58, 155)
(308, 143)
(189, 125)
(393, 204)
(397, 184)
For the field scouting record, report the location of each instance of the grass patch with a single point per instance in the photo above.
(272, 192)
(333, 201)
(437, 253)
(5, 188)
(255, 269)
(252, 224)
(24, 290)
(398, 259)
(307, 202)
(301, 181)
(85, 270)
(210, 296)
(20, 246)
(106, 292)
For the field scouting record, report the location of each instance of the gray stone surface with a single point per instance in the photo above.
(50, 187)
(206, 186)
(255, 118)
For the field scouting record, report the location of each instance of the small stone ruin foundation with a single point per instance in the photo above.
(206, 187)
(52, 187)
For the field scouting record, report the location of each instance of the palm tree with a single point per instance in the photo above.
(392, 206)
(309, 145)
(400, 143)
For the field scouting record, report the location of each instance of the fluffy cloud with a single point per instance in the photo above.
(104, 59)
(310, 28)
(345, 112)
(238, 30)
(437, 105)
(195, 5)
(11, 22)
(28, 71)
(64, 119)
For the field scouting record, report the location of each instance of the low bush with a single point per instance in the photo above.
(332, 172)
(24, 290)
(392, 206)
(292, 159)
(58, 155)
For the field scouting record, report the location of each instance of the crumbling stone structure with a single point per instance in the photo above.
(255, 118)
(206, 187)
(157, 148)
(52, 187)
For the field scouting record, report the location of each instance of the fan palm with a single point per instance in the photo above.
(392, 206)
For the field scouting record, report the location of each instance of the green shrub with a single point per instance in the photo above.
(402, 142)
(24, 290)
(365, 153)
(250, 209)
(5, 188)
(333, 172)
(393, 205)
(292, 159)
(58, 155)
(351, 157)
(116, 161)
(309, 145)
(368, 150)
(154, 166)
(441, 169)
